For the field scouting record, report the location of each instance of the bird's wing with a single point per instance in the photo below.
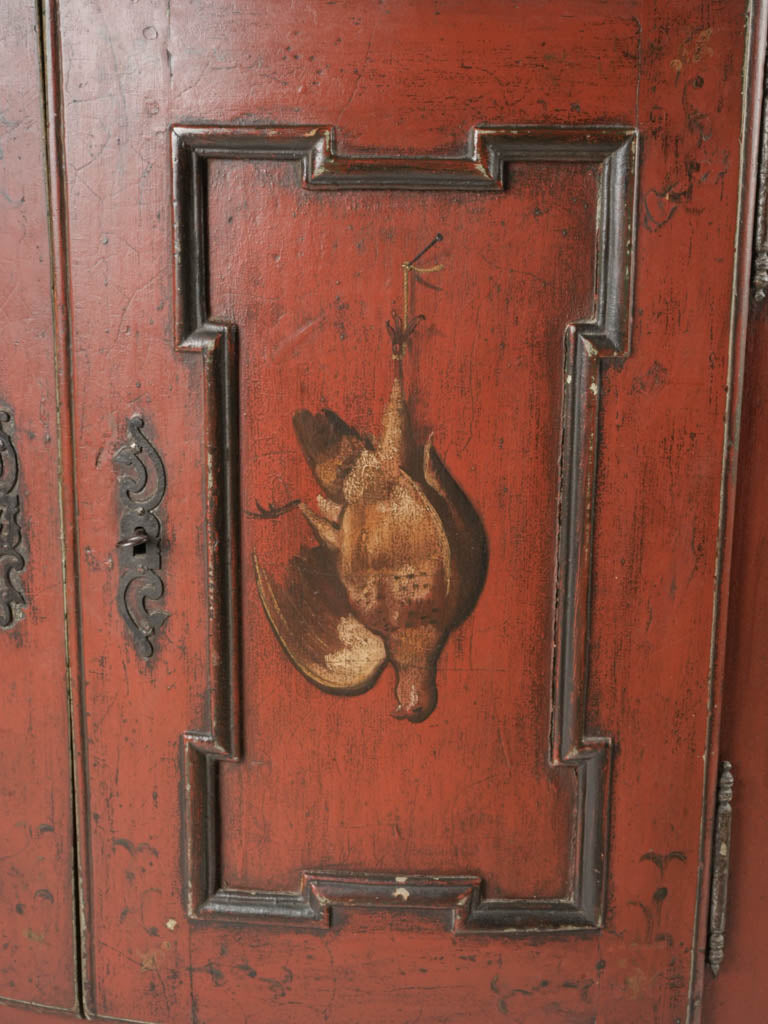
(330, 447)
(310, 614)
(465, 532)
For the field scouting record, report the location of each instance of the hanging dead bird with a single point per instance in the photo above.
(401, 559)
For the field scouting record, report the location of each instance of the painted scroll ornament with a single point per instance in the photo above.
(401, 557)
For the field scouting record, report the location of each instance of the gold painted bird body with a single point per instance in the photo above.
(401, 559)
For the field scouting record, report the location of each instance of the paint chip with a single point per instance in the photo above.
(171, 924)
(402, 892)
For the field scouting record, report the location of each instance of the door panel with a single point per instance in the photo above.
(37, 940)
(388, 835)
(244, 189)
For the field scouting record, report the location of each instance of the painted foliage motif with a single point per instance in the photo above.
(401, 556)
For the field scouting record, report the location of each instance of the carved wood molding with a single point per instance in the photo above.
(606, 334)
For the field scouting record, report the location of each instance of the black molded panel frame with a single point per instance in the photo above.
(614, 151)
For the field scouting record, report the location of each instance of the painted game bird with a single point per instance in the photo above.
(400, 562)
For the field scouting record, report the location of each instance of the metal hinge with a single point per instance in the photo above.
(760, 250)
(721, 855)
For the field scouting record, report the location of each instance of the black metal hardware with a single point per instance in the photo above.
(141, 489)
(11, 559)
(721, 855)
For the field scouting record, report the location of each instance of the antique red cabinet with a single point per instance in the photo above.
(392, 382)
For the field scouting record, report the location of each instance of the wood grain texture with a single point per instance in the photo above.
(405, 80)
(37, 947)
(26, 1014)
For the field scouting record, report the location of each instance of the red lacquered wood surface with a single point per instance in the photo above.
(408, 816)
(309, 277)
(37, 947)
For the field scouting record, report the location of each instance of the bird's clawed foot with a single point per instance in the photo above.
(273, 511)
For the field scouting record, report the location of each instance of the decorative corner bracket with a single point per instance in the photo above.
(721, 856)
(141, 488)
(11, 559)
(605, 335)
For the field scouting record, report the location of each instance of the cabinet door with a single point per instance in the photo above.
(37, 902)
(404, 337)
